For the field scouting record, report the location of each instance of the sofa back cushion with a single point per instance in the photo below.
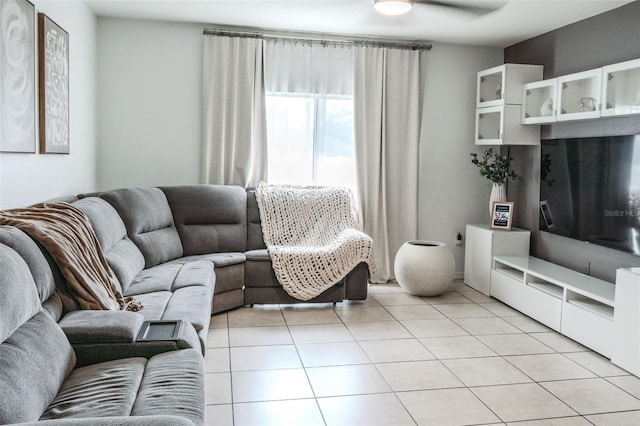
(149, 222)
(35, 355)
(39, 268)
(123, 256)
(209, 218)
(255, 239)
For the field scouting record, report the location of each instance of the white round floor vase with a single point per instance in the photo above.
(424, 268)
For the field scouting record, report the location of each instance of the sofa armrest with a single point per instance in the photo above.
(98, 336)
(101, 326)
(116, 421)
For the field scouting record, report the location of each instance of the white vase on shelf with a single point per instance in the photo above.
(547, 108)
(498, 194)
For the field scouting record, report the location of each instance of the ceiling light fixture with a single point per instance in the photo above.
(393, 7)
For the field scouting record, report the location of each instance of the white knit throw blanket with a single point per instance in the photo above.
(313, 236)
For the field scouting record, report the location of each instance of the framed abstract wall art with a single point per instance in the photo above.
(17, 76)
(53, 77)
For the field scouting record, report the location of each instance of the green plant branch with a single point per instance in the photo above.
(495, 167)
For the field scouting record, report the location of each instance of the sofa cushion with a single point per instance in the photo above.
(149, 222)
(261, 255)
(124, 258)
(101, 390)
(209, 218)
(39, 268)
(230, 278)
(34, 361)
(154, 304)
(19, 299)
(220, 260)
(173, 276)
(191, 304)
(173, 385)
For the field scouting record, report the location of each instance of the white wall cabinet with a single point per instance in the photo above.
(621, 89)
(579, 95)
(499, 105)
(482, 244)
(613, 90)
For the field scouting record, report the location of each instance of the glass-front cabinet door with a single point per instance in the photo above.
(579, 95)
(500, 125)
(539, 102)
(621, 89)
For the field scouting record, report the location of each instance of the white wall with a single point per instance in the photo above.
(149, 108)
(451, 191)
(150, 127)
(29, 178)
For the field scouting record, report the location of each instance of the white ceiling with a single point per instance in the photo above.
(515, 21)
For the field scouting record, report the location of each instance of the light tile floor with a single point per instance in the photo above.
(395, 359)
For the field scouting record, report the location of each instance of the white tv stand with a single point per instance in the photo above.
(581, 307)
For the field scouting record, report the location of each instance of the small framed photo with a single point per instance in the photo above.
(502, 215)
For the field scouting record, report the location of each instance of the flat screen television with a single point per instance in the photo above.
(590, 190)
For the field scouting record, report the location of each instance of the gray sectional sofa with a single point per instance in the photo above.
(175, 226)
(185, 252)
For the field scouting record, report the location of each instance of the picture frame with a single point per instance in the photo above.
(18, 76)
(502, 215)
(547, 217)
(53, 84)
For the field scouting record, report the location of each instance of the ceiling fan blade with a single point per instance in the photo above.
(469, 6)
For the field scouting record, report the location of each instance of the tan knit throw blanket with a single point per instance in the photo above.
(313, 236)
(66, 233)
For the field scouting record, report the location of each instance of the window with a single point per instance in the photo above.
(310, 139)
(309, 105)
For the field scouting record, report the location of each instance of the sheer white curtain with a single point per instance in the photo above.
(234, 128)
(388, 95)
(309, 87)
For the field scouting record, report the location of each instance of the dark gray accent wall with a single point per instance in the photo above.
(601, 40)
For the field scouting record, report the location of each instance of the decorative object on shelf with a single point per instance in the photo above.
(53, 73)
(502, 215)
(496, 168)
(424, 268)
(17, 76)
(587, 104)
(498, 195)
(499, 91)
(546, 109)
